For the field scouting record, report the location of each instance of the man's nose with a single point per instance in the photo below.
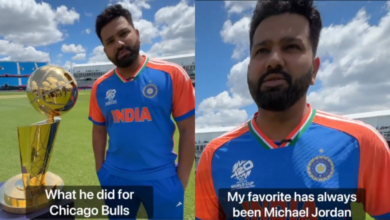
(275, 60)
(119, 45)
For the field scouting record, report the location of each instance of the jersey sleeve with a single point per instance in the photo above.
(375, 175)
(95, 114)
(206, 201)
(183, 95)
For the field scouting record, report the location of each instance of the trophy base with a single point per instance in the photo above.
(13, 197)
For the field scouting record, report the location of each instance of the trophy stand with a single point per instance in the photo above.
(26, 192)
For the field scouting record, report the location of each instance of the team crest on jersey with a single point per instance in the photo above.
(150, 91)
(241, 171)
(320, 168)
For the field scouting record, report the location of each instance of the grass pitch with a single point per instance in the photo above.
(72, 158)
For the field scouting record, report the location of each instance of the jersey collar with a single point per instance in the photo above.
(137, 72)
(294, 135)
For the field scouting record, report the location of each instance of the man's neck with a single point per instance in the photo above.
(130, 71)
(278, 125)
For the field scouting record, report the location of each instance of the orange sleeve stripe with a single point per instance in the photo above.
(374, 170)
(183, 91)
(206, 201)
(95, 114)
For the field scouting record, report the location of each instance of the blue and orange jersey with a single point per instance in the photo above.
(326, 151)
(138, 113)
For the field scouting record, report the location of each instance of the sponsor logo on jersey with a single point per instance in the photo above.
(241, 171)
(320, 168)
(110, 95)
(128, 115)
(150, 91)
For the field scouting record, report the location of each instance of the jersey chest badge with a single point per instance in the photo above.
(110, 95)
(241, 171)
(150, 91)
(320, 168)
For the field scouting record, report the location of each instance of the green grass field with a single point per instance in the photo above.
(72, 158)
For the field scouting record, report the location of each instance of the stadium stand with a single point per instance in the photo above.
(14, 75)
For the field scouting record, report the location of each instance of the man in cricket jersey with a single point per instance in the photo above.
(133, 105)
(288, 144)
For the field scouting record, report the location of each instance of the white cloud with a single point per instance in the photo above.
(88, 30)
(98, 55)
(72, 48)
(147, 31)
(238, 7)
(68, 65)
(354, 77)
(19, 52)
(65, 16)
(357, 78)
(79, 56)
(25, 24)
(227, 103)
(221, 118)
(237, 34)
(33, 24)
(177, 25)
(88, 14)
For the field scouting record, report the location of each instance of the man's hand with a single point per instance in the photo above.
(183, 180)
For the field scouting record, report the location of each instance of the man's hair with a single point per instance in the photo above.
(110, 13)
(267, 8)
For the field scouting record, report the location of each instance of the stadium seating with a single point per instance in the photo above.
(26, 69)
(8, 69)
(15, 74)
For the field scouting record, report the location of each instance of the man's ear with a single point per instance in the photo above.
(316, 67)
(137, 32)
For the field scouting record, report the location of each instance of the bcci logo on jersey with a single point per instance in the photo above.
(320, 168)
(110, 94)
(150, 91)
(241, 171)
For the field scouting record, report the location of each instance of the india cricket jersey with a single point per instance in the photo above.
(137, 115)
(326, 151)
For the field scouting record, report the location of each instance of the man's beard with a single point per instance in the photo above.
(279, 98)
(127, 60)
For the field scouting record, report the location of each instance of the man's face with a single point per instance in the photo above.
(281, 66)
(121, 42)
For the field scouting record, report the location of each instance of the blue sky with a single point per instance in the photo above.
(70, 22)
(214, 57)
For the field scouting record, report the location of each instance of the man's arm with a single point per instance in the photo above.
(206, 200)
(186, 149)
(183, 111)
(374, 174)
(99, 140)
(99, 133)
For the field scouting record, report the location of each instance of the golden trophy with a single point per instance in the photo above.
(52, 91)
